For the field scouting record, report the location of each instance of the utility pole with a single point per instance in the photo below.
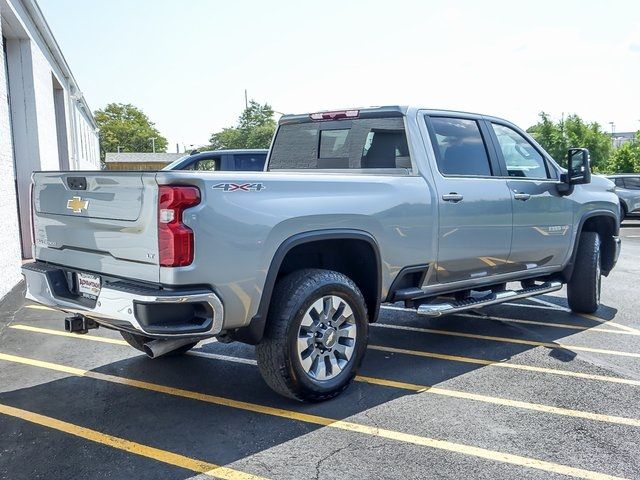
(246, 100)
(613, 131)
(153, 143)
(119, 147)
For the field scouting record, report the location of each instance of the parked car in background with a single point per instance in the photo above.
(247, 160)
(628, 190)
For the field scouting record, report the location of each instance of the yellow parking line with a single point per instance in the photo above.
(455, 394)
(633, 422)
(537, 407)
(420, 353)
(568, 326)
(329, 422)
(41, 307)
(163, 456)
(435, 390)
(504, 364)
(609, 322)
(553, 306)
(506, 340)
(59, 333)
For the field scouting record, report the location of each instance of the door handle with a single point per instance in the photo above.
(522, 196)
(452, 197)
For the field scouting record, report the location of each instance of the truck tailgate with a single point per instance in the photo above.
(104, 222)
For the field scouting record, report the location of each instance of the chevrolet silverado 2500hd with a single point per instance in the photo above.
(355, 208)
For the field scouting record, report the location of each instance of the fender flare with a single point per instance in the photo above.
(568, 269)
(252, 333)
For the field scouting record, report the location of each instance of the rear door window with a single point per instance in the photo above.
(362, 144)
(461, 149)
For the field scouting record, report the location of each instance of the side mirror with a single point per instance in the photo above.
(578, 166)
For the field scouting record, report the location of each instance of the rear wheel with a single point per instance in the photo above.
(316, 335)
(583, 290)
(623, 212)
(138, 341)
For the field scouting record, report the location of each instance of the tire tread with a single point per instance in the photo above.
(582, 292)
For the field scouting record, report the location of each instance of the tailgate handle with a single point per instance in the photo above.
(77, 183)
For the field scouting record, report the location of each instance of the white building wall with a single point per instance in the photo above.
(10, 252)
(45, 112)
(34, 61)
(88, 155)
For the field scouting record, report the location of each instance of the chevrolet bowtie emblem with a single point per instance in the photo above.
(76, 204)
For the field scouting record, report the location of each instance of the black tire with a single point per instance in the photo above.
(278, 354)
(583, 290)
(137, 342)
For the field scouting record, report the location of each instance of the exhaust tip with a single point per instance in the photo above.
(159, 348)
(148, 351)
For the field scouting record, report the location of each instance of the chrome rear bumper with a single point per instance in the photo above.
(125, 307)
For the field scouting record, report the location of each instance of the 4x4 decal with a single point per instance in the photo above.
(239, 187)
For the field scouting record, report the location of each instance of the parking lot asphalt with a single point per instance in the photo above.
(523, 390)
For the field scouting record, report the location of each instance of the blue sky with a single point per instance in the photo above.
(186, 63)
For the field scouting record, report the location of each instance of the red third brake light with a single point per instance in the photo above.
(175, 239)
(335, 115)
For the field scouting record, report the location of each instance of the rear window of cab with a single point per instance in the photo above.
(358, 144)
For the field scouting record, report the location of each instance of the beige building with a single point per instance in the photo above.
(140, 161)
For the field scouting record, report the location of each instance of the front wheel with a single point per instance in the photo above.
(316, 335)
(583, 290)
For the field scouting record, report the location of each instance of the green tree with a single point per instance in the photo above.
(557, 137)
(125, 126)
(626, 158)
(254, 129)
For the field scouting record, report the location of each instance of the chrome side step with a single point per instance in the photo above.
(438, 309)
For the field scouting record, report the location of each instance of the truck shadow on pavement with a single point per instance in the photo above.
(222, 434)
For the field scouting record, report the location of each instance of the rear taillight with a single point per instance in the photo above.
(175, 239)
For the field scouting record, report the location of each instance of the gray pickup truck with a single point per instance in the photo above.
(355, 209)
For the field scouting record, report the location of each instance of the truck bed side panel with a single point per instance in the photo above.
(237, 232)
